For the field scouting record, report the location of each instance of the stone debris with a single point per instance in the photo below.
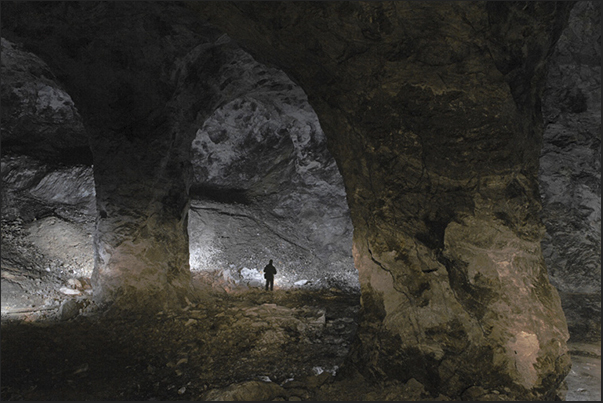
(69, 291)
(252, 345)
(246, 391)
(69, 309)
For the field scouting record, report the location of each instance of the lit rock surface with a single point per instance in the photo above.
(431, 111)
(32, 189)
(570, 171)
(265, 186)
(48, 195)
(432, 114)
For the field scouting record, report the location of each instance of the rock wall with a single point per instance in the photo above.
(432, 112)
(266, 187)
(143, 108)
(48, 195)
(122, 68)
(55, 208)
(38, 117)
(570, 171)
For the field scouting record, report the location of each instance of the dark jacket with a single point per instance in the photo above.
(269, 271)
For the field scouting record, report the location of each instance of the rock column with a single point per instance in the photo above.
(130, 69)
(432, 112)
(141, 239)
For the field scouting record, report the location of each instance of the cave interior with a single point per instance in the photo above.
(425, 177)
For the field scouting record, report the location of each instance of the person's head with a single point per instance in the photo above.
(270, 261)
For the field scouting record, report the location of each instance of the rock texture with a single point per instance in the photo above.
(432, 114)
(38, 116)
(142, 112)
(48, 195)
(121, 67)
(265, 186)
(32, 190)
(570, 170)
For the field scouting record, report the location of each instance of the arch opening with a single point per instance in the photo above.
(266, 187)
(418, 270)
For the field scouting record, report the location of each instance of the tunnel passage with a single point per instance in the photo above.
(433, 117)
(141, 137)
(266, 187)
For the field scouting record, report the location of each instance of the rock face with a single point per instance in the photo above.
(432, 114)
(38, 116)
(32, 190)
(122, 68)
(48, 195)
(202, 81)
(265, 186)
(570, 171)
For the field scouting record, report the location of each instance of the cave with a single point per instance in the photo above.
(424, 175)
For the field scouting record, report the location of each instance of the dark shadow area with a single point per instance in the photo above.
(178, 355)
(76, 156)
(48, 154)
(219, 194)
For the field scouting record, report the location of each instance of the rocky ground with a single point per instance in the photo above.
(252, 345)
(249, 345)
(283, 337)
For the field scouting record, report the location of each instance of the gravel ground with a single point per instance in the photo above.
(278, 336)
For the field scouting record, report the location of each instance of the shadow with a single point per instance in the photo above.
(177, 354)
(219, 194)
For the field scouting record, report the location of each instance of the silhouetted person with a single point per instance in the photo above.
(269, 272)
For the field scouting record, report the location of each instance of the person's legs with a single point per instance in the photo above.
(267, 283)
(271, 284)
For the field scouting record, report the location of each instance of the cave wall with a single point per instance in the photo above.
(570, 171)
(266, 187)
(432, 111)
(39, 117)
(124, 69)
(48, 196)
(147, 86)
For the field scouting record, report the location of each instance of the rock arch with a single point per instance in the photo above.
(265, 186)
(440, 167)
(432, 113)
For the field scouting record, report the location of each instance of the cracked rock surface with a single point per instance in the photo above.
(570, 171)
(266, 187)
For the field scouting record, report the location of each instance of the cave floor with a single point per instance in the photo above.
(584, 379)
(296, 339)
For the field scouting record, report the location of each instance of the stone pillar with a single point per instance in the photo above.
(432, 112)
(129, 69)
(141, 238)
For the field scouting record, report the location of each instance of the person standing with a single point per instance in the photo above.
(269, 272)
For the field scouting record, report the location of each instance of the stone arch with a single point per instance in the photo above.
(439, 166)
(141, 115)
(440, 172)
(266, 186)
